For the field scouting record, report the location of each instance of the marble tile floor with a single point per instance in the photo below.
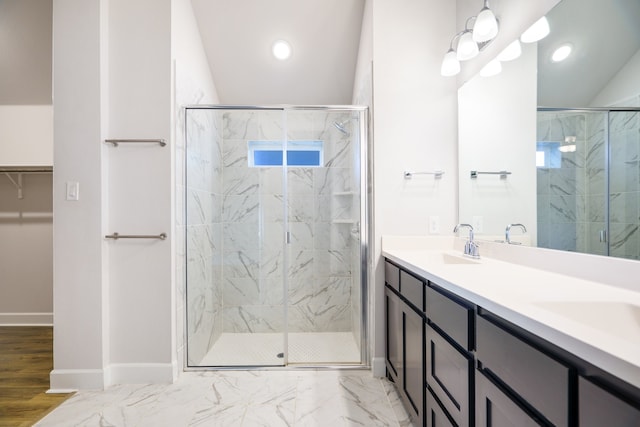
(306, 348)
(240, 398)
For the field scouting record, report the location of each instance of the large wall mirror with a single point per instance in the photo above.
(567, 133)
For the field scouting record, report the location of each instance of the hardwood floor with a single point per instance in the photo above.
(26, 359)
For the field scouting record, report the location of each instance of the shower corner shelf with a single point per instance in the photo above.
(343, 221)
(343, 193)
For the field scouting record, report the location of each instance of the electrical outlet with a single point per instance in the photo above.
(477, 224)
(434, 224)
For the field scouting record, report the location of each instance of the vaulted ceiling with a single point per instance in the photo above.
(324, 35)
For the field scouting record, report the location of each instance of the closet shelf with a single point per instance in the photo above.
(21, 170)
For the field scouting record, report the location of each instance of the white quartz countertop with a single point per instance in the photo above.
(595, 321)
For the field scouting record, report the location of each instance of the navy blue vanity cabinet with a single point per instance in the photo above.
(405, 323)
(494, 408)
(449, 367)
(530, 378)
(598, 407)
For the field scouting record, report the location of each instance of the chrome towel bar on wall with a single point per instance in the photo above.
(437, 174)
(503, 174)
(117, 142)
(116, 236)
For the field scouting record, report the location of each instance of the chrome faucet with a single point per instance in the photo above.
(470, 247)
(507, 233)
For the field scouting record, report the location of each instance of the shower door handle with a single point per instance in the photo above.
(288, 237)
(603, 236)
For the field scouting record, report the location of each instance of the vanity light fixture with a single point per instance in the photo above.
(561, 53)
(467, 47)
(281, 49)
(450, 64)
(468, 43)
(493, 68)
(511, 52)
(486, 25)
(538, 31)
(569, 144)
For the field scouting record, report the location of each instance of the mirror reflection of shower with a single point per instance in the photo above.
(342, 126)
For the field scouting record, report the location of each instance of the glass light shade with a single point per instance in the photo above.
(538, 31)
(281, 50)
(450, 64)
(467, 48)
(511, 52)
(491, 69)
(561, 53)
(486, 26)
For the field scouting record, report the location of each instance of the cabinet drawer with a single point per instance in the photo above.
(496, 409)
(448, 375)
(597, 407)
(435, 415)
(412, 289)
(392, 275)
(453, 318)
(537, 378)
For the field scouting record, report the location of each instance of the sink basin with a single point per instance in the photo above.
(454, 259)
(612, 317)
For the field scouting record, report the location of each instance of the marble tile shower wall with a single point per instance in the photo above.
(572, 199)
(561, 190)
(624, 184)
(319, 214)
(204, 237)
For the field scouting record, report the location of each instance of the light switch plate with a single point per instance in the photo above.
(73, 190)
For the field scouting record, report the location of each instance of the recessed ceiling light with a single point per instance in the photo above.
(281, 49)
(561, 53)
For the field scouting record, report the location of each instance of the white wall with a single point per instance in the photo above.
(26, 132)
(26, 251)
(623, 88)
(112, 300)
(80, 329)
(497, 131)
(415, 129)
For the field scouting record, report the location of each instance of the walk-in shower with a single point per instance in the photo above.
(277, 219)
(588, 164)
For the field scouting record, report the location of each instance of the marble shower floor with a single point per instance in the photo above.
(261, 349)
(240, 398)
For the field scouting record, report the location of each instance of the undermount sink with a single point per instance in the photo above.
(616, 318)
(454, 259)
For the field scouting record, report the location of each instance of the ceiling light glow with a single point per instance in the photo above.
(281, 50)
(561, 53)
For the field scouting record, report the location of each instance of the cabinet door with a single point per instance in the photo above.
(394, 336)
(496, 409)
(448, 374)
(597, 407)
(540, 380)
(414, 385)
(435, 415)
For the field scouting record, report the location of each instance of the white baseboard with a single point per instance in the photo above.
(141, 373)
(67, 380)
(378, 367)
(26, 319)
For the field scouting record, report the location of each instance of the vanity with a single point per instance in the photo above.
(520, 337)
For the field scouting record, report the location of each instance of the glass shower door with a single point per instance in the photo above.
(235, 238)
(275, 247)
(624, 184)
(323, 197)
